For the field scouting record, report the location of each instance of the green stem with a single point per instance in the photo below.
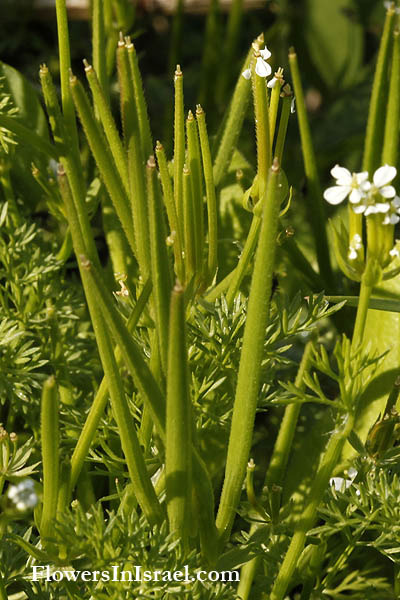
(194, 164)
(168, 195)
(377, 106)
(247, 389)
(362, 311)
(160, 266)
(103, 158)
(178, 460)
(317, 209)
(232, 124)
(210, 194)
(262, 122)
(144, 490)
(244, 260)
(391, 138)
(130, 125)
(139, 206)
(278, 462)
(179, 146)
(65, 66)
(100, 401)
(283, 123)
(50, 456)
(103, 109)
(99, 46)
(141, 107)
(230, 46)
(189, 225)
(307, 519)
(274, 103)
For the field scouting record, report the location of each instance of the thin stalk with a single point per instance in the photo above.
(210, 195)
(178, 460)
(194, 164)
(377, 106)
(99, 47)
(155, 402)
(65, 66)
(274, 103)
(103, 109)
(168, 196)
(247, 388)
(179, 145)
(140, 101)
(139, 206)
(283, 444)
(89, 429)
(176, 36)
(278, 462)
(160, 266)
(232, 124)
(262, 122)
(130, 125)
(317, 209)
(103, 158)
(362, 311)
(144, 490)
(307, 518)
(391, 137)
(244, 260)
(50, 455)
(189, 225)
(283, 123)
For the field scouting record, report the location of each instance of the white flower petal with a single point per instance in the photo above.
(356, 238)
(394, 252)
(358, 208)
(272, 83)
(370, 210)
(247, 74)
(387, 191)
(396, 202)
(262, 68)
(382, 207)
(384, 175)
(266, 54)
(336, 194)
(361, 177)
(355, 196)
(352, 255)
(343, 174)
(394, 219)
(293, 105)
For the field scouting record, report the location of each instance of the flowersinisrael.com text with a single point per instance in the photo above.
(137, 574)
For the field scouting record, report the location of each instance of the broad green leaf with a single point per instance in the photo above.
(334, 41)
(382, 332)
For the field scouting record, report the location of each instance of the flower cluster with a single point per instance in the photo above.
(367, 197)
(23, 495)
(263, 69)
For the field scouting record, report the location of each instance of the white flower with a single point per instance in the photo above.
(347, 184)
(338, 483)
(370, 204)
(23, 495)
(394, 253)
(263, 69)
(382, 177)
(272, 83)
(392, 216)
(355, 246)
(247, 74)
